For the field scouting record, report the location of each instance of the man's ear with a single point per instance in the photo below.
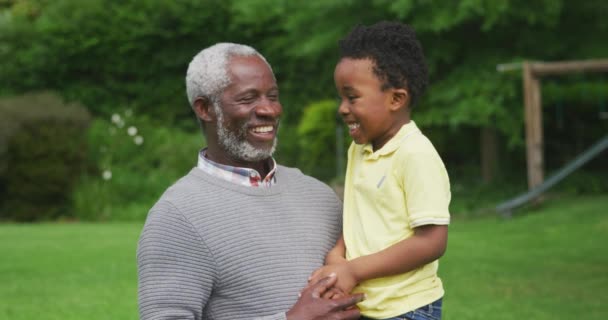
(204, 109)
(401, 98)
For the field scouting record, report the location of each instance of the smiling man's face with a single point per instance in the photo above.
(249, 110)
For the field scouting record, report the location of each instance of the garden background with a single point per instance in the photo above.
(95, 125)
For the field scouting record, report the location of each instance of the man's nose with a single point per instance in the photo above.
(268, 108)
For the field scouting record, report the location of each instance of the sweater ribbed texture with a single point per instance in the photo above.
(211, 249)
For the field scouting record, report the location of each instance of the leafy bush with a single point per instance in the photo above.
(136, 159)
(42, 151)
(320, 132)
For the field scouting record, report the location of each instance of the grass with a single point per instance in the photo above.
(546, 263)
(68, 271)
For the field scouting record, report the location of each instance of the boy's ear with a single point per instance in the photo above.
(401, 98)
(204, 109)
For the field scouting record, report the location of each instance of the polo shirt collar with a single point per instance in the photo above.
(392, 145)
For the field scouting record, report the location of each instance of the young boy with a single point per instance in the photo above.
(397, 189)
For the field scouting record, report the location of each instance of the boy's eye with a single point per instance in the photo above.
(351, 98)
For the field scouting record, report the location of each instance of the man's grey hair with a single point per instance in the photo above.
(207, 74)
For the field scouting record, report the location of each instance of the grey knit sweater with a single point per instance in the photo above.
(211, 249)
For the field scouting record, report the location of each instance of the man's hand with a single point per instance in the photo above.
(312, 306)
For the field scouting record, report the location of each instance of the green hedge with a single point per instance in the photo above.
(134, 160)
(320, 131)
(42, 152)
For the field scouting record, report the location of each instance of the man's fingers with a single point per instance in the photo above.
(322, 285)
(348, 301)
(350, 314)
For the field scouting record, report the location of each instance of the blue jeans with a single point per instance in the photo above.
(431, 311)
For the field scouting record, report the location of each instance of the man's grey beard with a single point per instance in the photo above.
(235, 142)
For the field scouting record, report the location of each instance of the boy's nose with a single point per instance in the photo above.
(343, 109)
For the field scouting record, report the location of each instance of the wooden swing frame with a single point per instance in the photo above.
(532, 72)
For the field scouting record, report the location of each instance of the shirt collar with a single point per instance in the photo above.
(239, 175)
(393, 144)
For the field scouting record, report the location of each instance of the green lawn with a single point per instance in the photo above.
(68, 271)
(548, 263)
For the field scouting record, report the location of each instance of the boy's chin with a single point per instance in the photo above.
(360, 141)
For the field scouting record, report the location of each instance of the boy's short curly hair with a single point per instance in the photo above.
(397, 55)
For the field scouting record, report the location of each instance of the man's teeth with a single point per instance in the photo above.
(353, 126)
(263, 129)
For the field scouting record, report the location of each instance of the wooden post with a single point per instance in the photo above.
(489, 154)
(531, 73)
(534, 126)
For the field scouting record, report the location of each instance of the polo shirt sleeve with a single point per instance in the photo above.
(426, 187)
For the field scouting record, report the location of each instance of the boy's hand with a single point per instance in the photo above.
(333, 293)
(346, 276)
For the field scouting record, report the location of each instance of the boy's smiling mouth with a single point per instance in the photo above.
(353, 130)
(354, 126)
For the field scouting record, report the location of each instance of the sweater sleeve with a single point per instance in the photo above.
(278, 316)
(176, 271)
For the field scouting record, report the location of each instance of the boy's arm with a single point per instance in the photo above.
(337, 254)
(426, 245)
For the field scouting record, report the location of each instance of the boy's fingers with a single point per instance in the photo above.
(338, 295)
(322, 285)
(314, 276)
(332, 293)
(312, 280)
(328, 294)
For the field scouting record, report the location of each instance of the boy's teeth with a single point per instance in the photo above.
(263, 129)
(353, 126)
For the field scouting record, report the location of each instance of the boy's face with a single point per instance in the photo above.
(373, 115)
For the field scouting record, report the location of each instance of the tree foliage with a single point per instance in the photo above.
(117, 54)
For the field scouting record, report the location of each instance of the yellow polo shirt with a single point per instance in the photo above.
(387, 194)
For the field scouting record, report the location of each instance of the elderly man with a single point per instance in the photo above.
(238, 236)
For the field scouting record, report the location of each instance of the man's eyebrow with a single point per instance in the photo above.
(247, 92)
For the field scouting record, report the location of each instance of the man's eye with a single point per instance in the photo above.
(247, 99)
(273, 97)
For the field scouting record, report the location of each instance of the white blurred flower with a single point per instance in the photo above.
(132, 131)
(138, 140)
(120, 123)
(106, 175)
(116, 118)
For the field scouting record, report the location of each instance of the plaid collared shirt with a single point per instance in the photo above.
(243, 176)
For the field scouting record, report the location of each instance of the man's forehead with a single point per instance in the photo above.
(249, 70)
